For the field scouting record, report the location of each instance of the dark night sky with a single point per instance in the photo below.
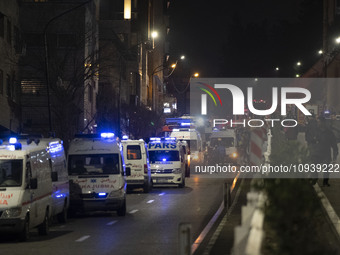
(245, 38)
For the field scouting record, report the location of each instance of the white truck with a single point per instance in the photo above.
(137, 160)
(223, 147)
(33, 184)
(194, 141)
(167, 160)
(97, 174)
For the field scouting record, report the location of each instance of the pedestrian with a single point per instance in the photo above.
(311, 131)
(326, 147)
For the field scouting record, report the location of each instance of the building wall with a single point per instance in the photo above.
(72, 41)
(10, 50)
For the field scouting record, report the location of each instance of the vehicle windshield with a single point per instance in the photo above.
(225, 142)
(163, 156)
(93, 164)
(11, 172)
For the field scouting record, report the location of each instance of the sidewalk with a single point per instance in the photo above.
(220, 241)
(331, 203)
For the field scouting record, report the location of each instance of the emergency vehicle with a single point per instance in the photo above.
(167, 160)
(33, 184)
(223, 147)
(194, 141)
(97, 174)
(137, 160)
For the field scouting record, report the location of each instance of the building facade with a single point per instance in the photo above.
(11, 49)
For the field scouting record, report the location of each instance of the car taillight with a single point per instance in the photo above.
(145, 168)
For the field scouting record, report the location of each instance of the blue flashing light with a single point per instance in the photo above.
(155, 138)
(107, 135)
(101, 194)
(185, 124)
(11, 147)
(170, 138)
(13, 140)
(125, 137)
(55, 147)
(164, 159)
(326, 112)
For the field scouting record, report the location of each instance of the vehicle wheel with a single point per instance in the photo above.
(62, 217)
(122, 210)
(44, 227)
(182, 184)
(24, 235)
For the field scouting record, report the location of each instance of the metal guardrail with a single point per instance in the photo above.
(250, 234)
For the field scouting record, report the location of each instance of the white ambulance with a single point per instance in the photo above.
(33, 184)
(96, 171)
(193, 138)
(167, 161)
(137, 160)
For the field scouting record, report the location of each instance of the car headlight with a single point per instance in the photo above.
(176, 171)
(233, 155)
(12, 212)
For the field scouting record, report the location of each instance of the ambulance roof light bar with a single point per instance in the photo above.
(14, 144)
(13, 140)
(107, 135)
(170, 138)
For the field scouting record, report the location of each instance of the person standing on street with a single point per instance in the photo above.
(325, 145)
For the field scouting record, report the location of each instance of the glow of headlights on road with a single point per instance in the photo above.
(234, 155)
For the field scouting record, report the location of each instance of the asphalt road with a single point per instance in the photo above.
(150, 226)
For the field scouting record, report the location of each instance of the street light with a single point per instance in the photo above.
(154, 34)
(159, 69)
(196, 75)
(337, 40)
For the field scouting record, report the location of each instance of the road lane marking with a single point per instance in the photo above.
(111, 223)
(150, 201)
(133, 211)
(81, 239)
(162, 194)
